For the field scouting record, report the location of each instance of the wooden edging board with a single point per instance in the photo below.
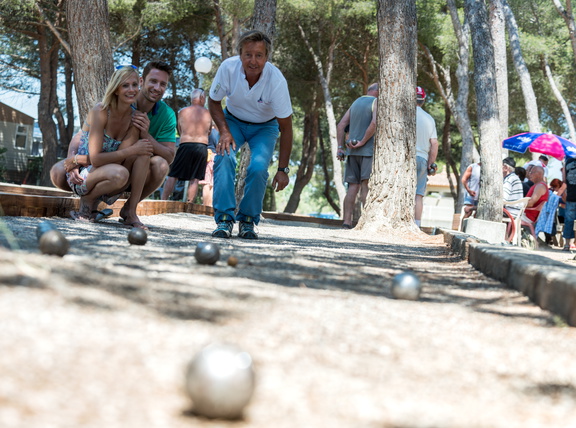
(35, 201)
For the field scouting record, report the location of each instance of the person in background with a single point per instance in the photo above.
(360, 119)
(426, 152)
(570, 211)
(194, 125)
(538, 195)
(208, 182)
(471, 182)
(512, 187)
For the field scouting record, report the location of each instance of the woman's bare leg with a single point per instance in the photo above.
(101, 181)
(138, 168)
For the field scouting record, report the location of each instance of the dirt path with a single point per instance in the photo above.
(101, 337)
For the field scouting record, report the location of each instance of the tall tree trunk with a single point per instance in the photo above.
(498, 31)
(324, 79)
(548, 73)
(490, 201)
(69, 85)
(220, 30)
(308, 159)
(459, 105)
(390, 201)
(91, 50)
(450, 164)
(327, 178)
(48, 53)
(137, 9)
(568, 17)
(522, 70)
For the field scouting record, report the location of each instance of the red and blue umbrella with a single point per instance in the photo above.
(547, 144)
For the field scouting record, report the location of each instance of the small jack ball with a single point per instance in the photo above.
(137, 236)
(207, 253)
(406, 286)
(220, 380)
(53, 242)
(232, 261)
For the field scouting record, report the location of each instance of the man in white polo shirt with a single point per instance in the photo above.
(426, 151)
(258, 108)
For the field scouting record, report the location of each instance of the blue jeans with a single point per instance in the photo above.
(261, 139)
(569, 217)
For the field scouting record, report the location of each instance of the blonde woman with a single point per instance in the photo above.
(111, 158)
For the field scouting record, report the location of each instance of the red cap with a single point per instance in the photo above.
(420, 94)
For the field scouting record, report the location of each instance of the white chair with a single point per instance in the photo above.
(517, 238)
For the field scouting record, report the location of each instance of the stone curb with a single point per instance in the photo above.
(548, 283)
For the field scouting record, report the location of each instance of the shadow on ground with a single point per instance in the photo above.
(164, 276)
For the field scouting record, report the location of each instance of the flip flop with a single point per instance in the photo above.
(100, 215)
(76, 216)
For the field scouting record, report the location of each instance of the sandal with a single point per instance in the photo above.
(77, 216)
(100, 215)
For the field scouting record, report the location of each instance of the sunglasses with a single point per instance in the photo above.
(118, 67)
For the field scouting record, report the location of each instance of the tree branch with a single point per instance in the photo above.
(54, 30)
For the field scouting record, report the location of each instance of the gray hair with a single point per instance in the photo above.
(197, 94)
(372, 87)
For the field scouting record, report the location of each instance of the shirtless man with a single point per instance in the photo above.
(194, 125)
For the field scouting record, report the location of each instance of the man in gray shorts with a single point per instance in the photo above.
(361, 120)
(426, 151)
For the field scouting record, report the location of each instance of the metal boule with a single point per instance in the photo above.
(406, 286)
(207, 253)
(53, 242)
(220, 381)
(137, 236)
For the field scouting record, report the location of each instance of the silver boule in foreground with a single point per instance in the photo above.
(406, 286)
(207, 253)
(53, 242)
(220, 381)
(137, 236)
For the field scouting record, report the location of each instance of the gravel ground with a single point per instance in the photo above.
(101, 337)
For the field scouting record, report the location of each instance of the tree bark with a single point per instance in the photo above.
(548, 73)
(324, 79)
(568, 17)
(327, 178)
(48, 53)
(522, 70)
(308, 159)
(459, 105)
(390, 201)
(220, 30)
(498, 31)
(91, 50)
(490, 201)
(69, 85)
(450, 164)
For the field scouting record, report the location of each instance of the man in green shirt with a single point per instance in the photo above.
(156, 122)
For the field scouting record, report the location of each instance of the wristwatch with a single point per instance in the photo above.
(285, 170)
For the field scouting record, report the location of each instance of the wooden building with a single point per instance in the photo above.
(16, 136)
